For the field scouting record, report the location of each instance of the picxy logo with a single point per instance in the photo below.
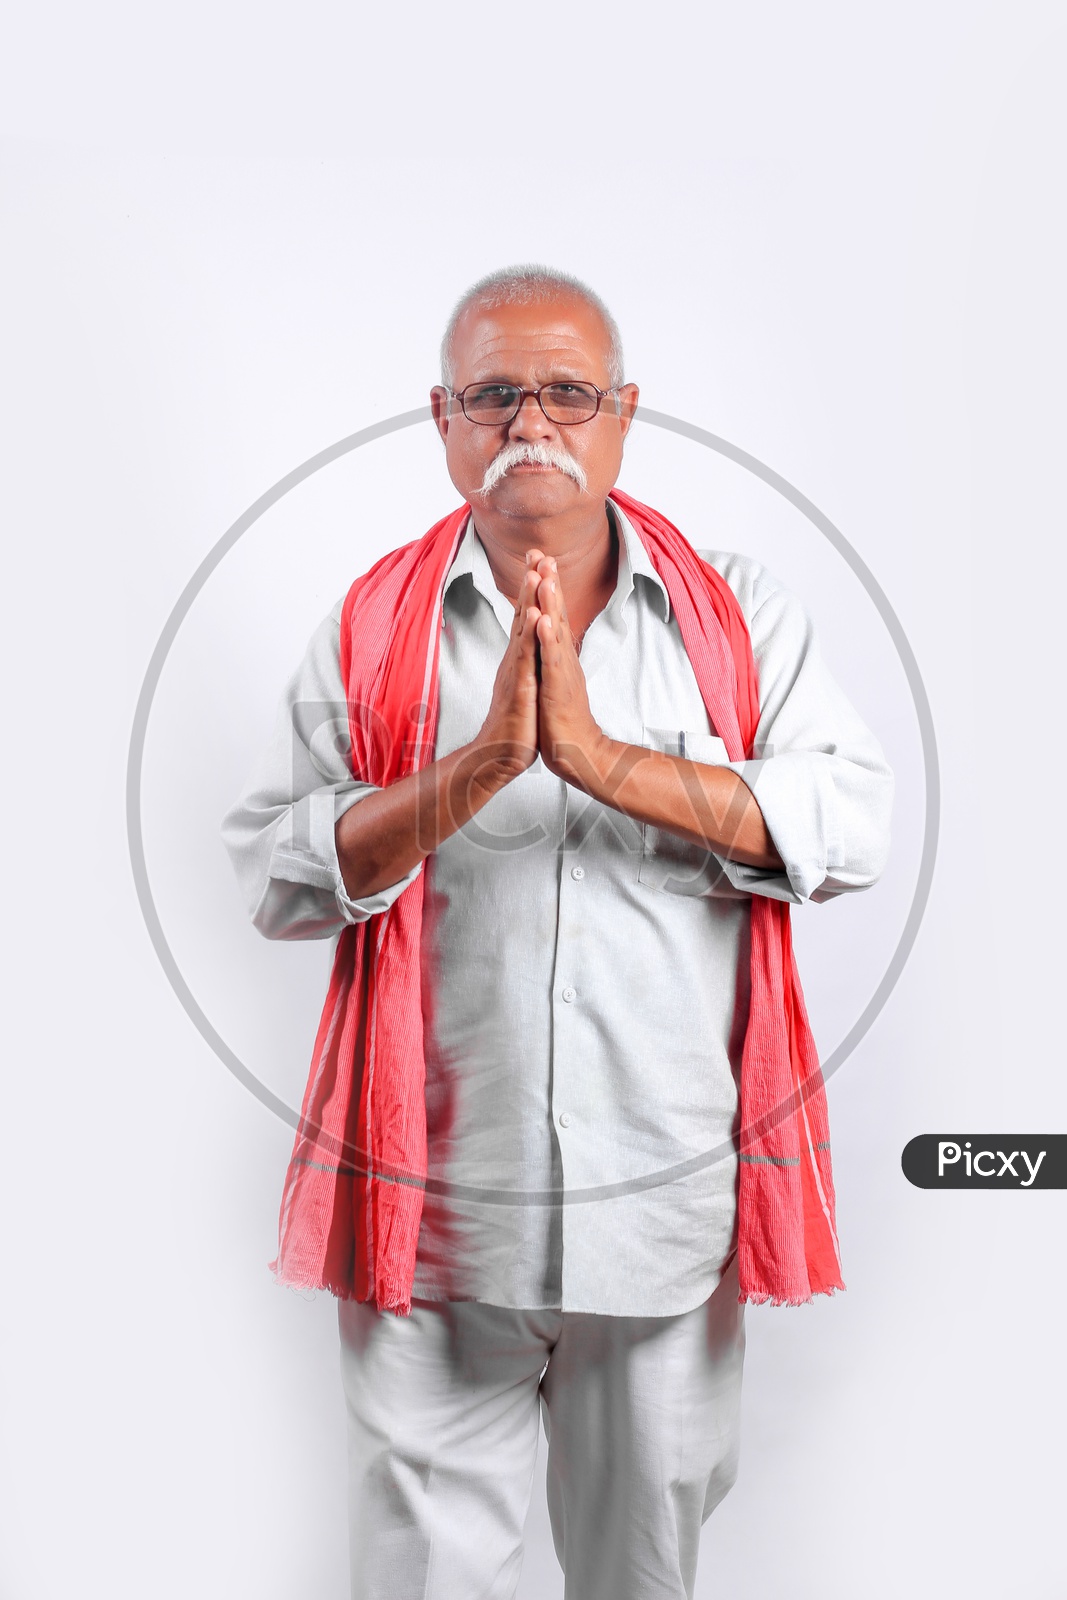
(948, 1152)
(986, 1161)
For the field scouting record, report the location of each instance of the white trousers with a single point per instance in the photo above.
(641, 1416)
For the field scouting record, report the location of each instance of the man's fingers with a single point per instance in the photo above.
(548, 595)
(527, 597)
(528, 631)
(549, 574)
(550, 599)
(548, 569)
(547, 634)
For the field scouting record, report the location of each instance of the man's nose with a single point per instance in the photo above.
(530, 422)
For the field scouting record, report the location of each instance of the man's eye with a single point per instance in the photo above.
(488, 396)
(572, 399)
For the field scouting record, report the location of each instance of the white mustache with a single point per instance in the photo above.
(519, 453)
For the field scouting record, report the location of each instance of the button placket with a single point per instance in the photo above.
(565, 1007)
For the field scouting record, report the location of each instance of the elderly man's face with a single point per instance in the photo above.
(531, 345)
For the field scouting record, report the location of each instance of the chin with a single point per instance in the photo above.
(533, 496)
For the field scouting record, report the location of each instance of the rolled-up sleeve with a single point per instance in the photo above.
(281, 833)
(818, 774)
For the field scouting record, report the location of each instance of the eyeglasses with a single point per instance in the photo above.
(563, 403)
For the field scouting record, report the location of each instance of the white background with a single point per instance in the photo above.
(831, 234)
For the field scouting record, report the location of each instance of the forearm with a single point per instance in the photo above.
(709, 805)
(388, 833)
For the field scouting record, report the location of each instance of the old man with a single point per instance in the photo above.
(554, 776)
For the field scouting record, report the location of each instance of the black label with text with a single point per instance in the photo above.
(986, 1161)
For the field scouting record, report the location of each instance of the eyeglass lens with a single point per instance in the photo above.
(561, 402)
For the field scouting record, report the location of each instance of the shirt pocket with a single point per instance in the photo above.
(668, 862)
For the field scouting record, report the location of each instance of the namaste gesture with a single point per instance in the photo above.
(540, 702)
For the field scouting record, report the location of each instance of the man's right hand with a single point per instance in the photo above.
(507, 739)
(385, 835)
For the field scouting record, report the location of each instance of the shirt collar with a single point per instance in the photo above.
(471, 561)
(634, 562)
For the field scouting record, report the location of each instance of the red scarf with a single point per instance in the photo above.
(353, 1192)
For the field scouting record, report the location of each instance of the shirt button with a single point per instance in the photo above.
(569, 994)
(564, 1119)
(577, 873)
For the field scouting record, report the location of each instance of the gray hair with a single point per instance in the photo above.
(530, 284)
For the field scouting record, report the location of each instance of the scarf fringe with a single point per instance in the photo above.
(391, 1298)
(755, 1298)
(394, 1299)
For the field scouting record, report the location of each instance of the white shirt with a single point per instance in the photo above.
(585, 978)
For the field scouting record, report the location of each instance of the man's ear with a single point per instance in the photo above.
(440, 405)
(626, 399)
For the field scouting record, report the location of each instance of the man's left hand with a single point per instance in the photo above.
(569, 737)
(710, 805)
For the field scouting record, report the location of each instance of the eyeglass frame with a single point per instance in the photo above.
(524, 394)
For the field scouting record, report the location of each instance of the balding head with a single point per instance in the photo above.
(529, 285)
